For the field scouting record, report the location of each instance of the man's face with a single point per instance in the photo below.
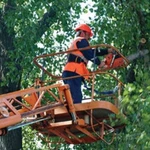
(87, 35)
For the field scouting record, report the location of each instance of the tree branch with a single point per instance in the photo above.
(47, 20)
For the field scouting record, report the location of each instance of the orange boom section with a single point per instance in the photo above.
(50, 110)
(54, 114)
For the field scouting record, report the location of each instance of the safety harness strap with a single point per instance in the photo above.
(77, 58)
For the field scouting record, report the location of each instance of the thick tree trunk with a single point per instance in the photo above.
(11, 141)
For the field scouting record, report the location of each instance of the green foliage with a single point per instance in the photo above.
(24, 19)
(136, 106)
(25, 24)
(31, 140)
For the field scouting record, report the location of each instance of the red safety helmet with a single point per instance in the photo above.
(84, 27)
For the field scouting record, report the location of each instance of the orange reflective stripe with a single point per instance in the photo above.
(77, 53)
(79, 68)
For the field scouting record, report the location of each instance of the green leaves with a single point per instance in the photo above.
(51, 22)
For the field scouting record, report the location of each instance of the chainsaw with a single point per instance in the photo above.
(117, 60)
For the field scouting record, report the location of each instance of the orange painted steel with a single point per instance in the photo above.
(123, 61)
(54, 114)
(28, 105)
(60, 122)
(101, 111)
(14, 117)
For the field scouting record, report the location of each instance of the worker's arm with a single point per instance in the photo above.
(88, 54)
(103, 51)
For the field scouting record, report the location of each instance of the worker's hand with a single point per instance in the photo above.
(102, 65)
(111, 50)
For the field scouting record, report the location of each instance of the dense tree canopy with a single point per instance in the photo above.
(30, 28)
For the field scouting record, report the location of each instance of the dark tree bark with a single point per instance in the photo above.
(13, 140)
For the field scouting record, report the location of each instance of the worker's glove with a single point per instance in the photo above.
(111, 50)
(102, 65)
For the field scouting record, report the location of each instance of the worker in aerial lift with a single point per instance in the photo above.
(77, 61)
